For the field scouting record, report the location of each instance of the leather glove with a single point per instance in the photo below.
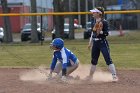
(98, 27)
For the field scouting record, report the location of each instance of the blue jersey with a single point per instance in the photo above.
(64, 56)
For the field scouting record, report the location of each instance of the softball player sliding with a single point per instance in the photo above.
(64, 62)
(99, 43)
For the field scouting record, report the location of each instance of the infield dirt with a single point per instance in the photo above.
(22, 80)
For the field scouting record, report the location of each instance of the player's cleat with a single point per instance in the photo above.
(58, 76)
(115, 78)
(49, 77)
(77, 77)
(64, 79)
(89, 78)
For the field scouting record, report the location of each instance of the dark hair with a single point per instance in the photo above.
(102, 10)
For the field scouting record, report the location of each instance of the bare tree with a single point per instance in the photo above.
(7, 25)
(34, 34)
(71, 19)
(138, 15)
(58, 20)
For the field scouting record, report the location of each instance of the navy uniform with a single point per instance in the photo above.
(99, 42)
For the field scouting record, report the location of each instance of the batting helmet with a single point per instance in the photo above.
(58, 43)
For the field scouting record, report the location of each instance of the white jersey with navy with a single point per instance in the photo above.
(65, 56)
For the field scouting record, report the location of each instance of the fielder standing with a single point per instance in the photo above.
(99, 43)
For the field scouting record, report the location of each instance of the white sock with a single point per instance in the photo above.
(112, 69)
(92, 70)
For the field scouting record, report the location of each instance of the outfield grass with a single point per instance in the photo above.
(125, 52)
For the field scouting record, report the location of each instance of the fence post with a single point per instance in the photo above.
(41, 31)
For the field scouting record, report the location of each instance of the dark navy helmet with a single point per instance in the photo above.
(58, 43)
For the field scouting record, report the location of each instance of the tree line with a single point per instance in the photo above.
(59, 6)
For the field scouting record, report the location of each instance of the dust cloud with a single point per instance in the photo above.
(40, 74)
(99, 75)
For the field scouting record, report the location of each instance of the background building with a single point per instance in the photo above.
(23, 6)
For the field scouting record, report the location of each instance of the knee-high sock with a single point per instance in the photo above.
(112, 69)
(92, 70)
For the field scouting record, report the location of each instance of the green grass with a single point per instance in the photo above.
(125, 52)
(131, 37)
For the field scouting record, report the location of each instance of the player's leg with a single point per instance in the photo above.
(58, 67)
(106, 53)
(113, 71)
(95, 55)
(73, 67)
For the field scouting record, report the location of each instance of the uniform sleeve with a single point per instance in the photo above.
(64, 59)
(54, 60)
(105, 28)
(92, 25)
(90, 40)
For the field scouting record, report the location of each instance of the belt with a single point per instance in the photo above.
(96, 39)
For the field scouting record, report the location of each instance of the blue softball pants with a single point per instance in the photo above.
(103, 46)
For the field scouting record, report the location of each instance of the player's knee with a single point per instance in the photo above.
(94, 61)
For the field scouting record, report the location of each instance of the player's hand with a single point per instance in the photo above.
(89, 47)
